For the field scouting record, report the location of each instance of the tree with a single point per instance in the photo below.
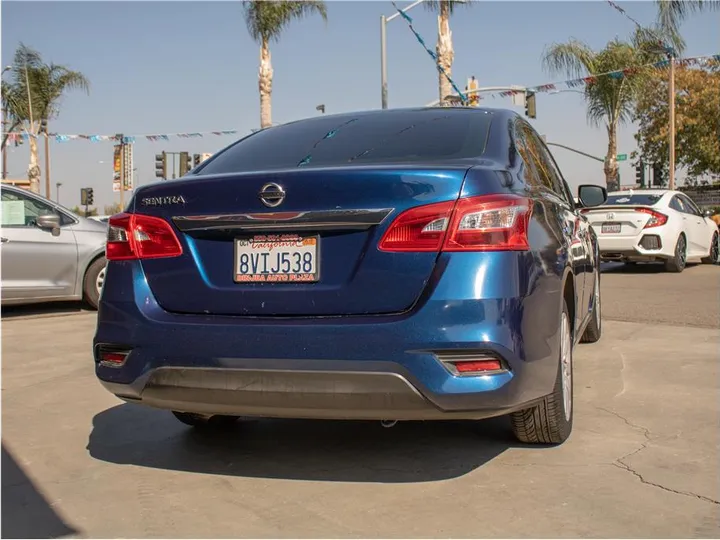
(610, 100)
(266, 19)
(697, 119)
(671, 13)
(34, 95)
(444, 48)
(112, 209)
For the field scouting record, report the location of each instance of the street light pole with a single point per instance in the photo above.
(671, 130)
(5, 136)
(383, 62)
(383, 50)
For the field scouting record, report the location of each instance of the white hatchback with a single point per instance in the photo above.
(654, 225)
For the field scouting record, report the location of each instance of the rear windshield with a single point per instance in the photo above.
(360, 139)
(642, 200)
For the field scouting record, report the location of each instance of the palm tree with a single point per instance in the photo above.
(610, 100)
(33, 96)
(444, 48)
(266, 19)
(671, 14)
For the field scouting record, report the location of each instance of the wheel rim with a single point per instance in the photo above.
(99, 281)
(715, 248)
(598, 315)
(681, 251)
(566, 365)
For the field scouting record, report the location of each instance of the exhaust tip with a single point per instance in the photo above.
(388, 423)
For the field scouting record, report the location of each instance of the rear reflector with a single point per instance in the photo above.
(137, 236)
(477, 366)
(485, 223)
(471, 363)
(111, 355)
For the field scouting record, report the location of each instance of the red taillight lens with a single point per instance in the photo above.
(137, 236)
(489, 223)
(485, 223)
(418, 229)
(656, 218)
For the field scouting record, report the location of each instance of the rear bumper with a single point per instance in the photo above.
(316, 394)
(649, 246)
(372, 367)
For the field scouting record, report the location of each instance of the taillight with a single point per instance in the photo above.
(484, 223)
(419, 229)
(137, 236)
(656, 218)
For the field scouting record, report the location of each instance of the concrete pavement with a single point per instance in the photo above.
(642, 461)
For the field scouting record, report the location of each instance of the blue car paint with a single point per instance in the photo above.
(507, 302)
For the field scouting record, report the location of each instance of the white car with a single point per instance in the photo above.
(101, 219)
(649, 225)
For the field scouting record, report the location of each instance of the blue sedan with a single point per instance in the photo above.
(410, 264)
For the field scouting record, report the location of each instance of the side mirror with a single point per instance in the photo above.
(49, 221)
(708, 213)
(592, 195)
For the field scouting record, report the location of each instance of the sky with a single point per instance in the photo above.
(169, 67)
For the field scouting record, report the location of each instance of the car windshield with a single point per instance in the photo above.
(359, 139)
(643, 199)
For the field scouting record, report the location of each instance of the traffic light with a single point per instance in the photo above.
(197, 159)
(640, 174)
(83, 197)
(161, 166)
(90, 197)
(185, 163)
(43, 126)
(530, 110)
(658, 178)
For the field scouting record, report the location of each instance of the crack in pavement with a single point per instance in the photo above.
(620, 463)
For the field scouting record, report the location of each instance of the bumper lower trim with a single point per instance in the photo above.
(331, 395)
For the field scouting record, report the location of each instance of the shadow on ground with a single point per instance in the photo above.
(299, 449)
(25, 512)
(638, 268)
(50, 309)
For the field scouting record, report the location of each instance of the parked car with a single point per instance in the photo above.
(420, 264)
(48, 253)
(652, 225)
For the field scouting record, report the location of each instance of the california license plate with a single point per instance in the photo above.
(277, 258)
(611, 228)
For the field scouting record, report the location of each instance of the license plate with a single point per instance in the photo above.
(610, 228)
(286, 258)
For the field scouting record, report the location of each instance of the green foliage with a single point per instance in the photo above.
(697, 119)
(266, 19)
(47, 83)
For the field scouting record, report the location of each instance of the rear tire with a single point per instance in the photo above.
(714, 256)
(679, 261)
(200, 421)
(551, 420)
(593, 330)
(93, 281)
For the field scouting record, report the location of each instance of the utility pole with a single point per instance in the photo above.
(383, 62)
(47, 159)
(4, 148)
(121, 141)
(671, 105)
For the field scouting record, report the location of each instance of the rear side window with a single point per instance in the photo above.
(360, 139)
(636, 199)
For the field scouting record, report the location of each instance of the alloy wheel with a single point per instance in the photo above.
(100, 280)
(566, 365)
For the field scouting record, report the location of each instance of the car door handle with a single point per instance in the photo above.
(4, 240)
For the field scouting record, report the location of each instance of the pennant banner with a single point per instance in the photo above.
(127, 139)
(701, 61)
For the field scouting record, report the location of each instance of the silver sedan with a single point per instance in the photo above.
(48, 253)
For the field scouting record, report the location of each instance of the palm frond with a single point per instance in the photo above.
(449, 5)
(573, 58)
(266, 19)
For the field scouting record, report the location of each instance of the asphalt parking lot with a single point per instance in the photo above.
(642, 460)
